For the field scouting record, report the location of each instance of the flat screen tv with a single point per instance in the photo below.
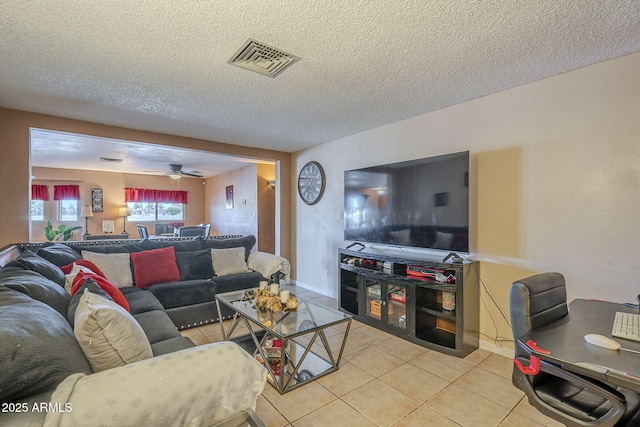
(420, 203)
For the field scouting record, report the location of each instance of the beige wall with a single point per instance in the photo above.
(15, 173)
(253, 210)
(242, 217)
(554, 185)
(266, 208)
(113, 185)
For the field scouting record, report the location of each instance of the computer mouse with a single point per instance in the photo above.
(602, 341)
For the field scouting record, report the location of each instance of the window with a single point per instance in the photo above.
(149, 211)
(37, 210)
(68, 210)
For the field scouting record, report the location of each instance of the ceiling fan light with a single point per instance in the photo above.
(175, 175)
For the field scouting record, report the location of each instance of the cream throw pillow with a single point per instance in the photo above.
(116, 267)
(108, 335)
(229, 261)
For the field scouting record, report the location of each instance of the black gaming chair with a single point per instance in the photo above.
(567, 397)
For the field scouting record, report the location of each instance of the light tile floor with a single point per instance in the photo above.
(386, 381)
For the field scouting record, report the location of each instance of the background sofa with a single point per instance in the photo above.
(54, 374)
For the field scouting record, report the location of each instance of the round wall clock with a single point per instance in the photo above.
(311, 182)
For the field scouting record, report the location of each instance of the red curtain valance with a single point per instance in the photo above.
(66, 192)
(157, 196)
(39, 192)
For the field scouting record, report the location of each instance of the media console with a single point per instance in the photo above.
(428, 302)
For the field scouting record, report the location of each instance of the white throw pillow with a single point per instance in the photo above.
(69, 278)
(108, 335)
(116, 267)
(229, 261)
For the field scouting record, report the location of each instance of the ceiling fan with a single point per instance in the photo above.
(176, 172)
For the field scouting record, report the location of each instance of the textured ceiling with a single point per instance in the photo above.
(162, 65)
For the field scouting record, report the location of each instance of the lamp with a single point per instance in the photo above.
(86, 212)
(124, 212)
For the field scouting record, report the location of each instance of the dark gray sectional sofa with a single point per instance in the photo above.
(39, 353)
(188, 302)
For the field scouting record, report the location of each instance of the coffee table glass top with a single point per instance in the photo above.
(308, 317)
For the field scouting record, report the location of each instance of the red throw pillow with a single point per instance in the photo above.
(155, 266)
(84, 263)
(104, 284)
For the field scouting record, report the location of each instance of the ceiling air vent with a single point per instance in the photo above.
(262, 58)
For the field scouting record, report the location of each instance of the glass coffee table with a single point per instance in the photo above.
(293, 346)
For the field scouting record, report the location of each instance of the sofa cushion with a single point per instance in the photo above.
(73, 305)
(195, 265)
(157, 326)
(141, 300)
(235, 282)
(247, 242)
(155, 266)
(171, 345)
(108, 335)
(115, 266)
(37, 347)
(30, 261)
(37, 287)
(104, 284)
(229, 261)
(58, 254)
(188, 292)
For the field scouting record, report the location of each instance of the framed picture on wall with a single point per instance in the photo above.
(96, 200)
(229, 203)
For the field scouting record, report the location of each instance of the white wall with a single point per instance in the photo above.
(554, 184)
(242, 218)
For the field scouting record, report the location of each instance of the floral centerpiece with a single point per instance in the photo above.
(266, 301)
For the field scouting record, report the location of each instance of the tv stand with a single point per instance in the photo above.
(425, 301)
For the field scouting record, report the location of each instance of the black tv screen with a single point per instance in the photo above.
(420, 203)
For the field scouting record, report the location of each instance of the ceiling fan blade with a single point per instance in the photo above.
(192, 174)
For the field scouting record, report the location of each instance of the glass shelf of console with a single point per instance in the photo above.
(397, 302)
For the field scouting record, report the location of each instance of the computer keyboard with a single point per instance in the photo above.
(626, 325)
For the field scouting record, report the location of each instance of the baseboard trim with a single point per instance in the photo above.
(502, 351)
(315, 289)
